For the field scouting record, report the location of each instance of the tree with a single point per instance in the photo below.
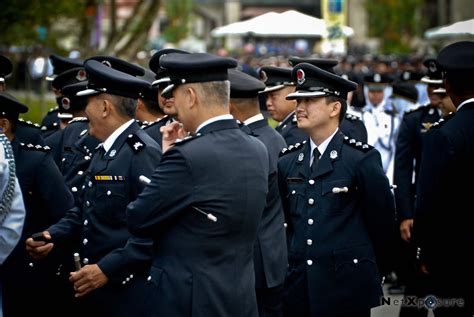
(395, 22)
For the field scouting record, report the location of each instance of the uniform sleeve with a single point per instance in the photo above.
(136, 254)
(283, 190)
(403, 171)
(379, 207)
(169, 193)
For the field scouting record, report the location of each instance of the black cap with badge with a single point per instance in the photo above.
(376, 81)
(71, 76)
(312, 81)
(104, 79)
(457, 57)
(119, 64)
(194, 68)
(62, 64)
(433, 76)
(243, 85)
(6, 67)
(404, 90)
(69, 102)
(162, 76)
(275, 78)
(10, 107)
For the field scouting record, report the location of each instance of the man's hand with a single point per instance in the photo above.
(87, 279)
(405, 229)
(170, 133)
(39, 249)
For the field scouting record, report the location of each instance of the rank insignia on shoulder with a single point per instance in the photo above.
(357, 144)
(443, 120)
(28, 123)
(135, 143)
(293, 148)
(37, 147)
(109, 178)
(187, 139)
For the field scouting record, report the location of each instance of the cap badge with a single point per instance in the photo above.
(333, 155)
(66, 103)
(300, 157)
(112, 153)
(431, 111)
(377, 78)
(81, 75)
(263, 76)
(300, 76)
(406, 75)
(432, 66)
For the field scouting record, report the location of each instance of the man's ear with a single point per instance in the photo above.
(336, 108)
(107, 107)
(192, 97)
(5, 125)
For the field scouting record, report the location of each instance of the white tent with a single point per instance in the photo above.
(287, 24)
(462, 28)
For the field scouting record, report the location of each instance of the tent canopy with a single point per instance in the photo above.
(461, 28)
(287, 24)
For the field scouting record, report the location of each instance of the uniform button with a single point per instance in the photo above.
(88, 204)
(74, 189)
(311, 181)
(86, 222)
(87, 157)
(31, 264)
(309, 262)
(309, 242)
(293, 192)
(124, 282)
(148, 278)
(85, 261)
(128, 279)
(311, 201)
(63, 159)
(131, 275)
(310, 221)
(109, 193)
(80, 173)
(85, 241)
(285, 225)
(355, 261)
(89, 184)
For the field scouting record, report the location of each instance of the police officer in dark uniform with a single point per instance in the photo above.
(270, 252)
(205, 200)
(443, 208)
(46, 198)
(51, 122)
(351, 124)
(415, 123)
(339, 205)
(278, 86)
(112, 280)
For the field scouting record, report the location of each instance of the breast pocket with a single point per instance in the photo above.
(336, 195)
(295, 198)
(112, 197)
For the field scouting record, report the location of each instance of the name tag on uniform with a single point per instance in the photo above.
(294, 180)
(109, 178)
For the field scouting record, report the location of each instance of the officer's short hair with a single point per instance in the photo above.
(343, 102)
(125, 106)
(213, 92)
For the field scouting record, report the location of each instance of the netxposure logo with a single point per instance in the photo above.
(428, 302)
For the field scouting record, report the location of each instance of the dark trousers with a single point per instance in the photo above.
(269, 301)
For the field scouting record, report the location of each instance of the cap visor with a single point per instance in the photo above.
(376, 87)
(305, 94)
(439, 91)
(271, 88)
(87, 92)
(428, 80)
(50, 78)
(161, 81)
(168, 91)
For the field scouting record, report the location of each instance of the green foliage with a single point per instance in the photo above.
(395, 22)
(26, 22)
(35, 113)
(178, 13)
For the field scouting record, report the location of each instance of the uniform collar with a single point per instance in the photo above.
(464, 102)
(253, 119)
(111, 139)
(214, 119)
(287, 118)
(323, 146)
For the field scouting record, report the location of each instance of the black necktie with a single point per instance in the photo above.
(316, 155)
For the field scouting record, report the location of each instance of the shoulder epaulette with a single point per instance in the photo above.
(357, 144)
(29, 123)
(443, 120)
(53, 109)
(37, 147)
(352, 117)
(135, 143)
(78, 119)
(187, 139)
(53, 126)
(291, 148)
